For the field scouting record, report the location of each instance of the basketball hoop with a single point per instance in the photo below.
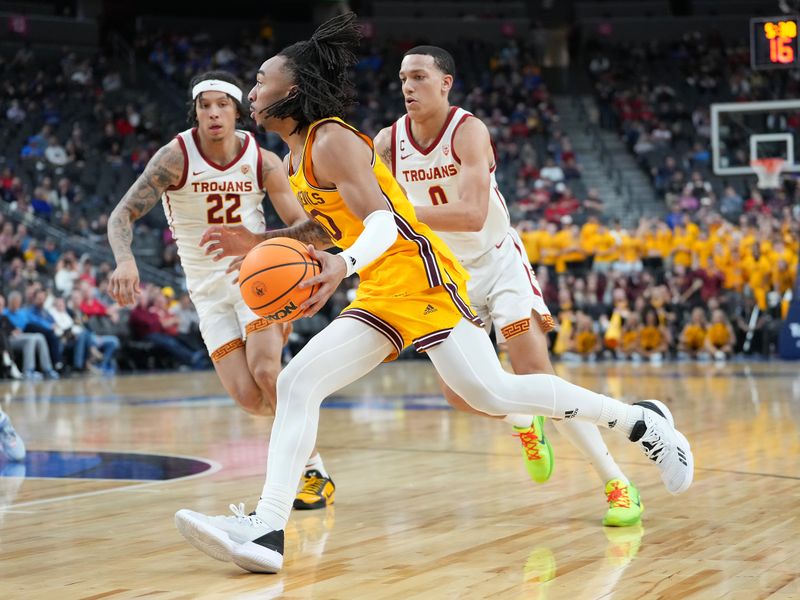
(768, 171)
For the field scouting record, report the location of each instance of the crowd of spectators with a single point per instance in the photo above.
(670, 288)
(57, 318)
(663, 115)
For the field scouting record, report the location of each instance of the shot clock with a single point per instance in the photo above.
(773, 42)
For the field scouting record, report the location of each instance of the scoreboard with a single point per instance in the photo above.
(774, 43)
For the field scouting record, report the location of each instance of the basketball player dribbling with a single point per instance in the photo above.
(443, 158)
(412, 291)
(214, 173)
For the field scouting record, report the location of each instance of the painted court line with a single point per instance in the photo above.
(214, 468)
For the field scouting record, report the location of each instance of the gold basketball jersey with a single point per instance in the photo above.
(417, 274)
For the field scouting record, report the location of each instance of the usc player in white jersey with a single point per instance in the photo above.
(213, 174)
(444, 159)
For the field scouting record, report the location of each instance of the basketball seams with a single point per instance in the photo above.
(289, 290)
(274, 245)
(306, 262)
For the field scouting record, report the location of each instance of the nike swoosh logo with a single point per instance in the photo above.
(197, 172)
(407, 156)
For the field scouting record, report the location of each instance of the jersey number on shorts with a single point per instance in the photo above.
(217, 203)
(327, 224)
(437, 195)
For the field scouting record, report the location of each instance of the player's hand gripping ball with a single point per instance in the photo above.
(270, 274)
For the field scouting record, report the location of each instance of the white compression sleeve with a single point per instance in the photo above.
(343, 352)
(380, 232)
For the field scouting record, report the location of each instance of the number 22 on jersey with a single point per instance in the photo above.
(223, 209)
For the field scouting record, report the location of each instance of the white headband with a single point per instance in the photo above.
(215, 85)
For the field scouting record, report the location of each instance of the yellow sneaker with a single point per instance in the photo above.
(317, 491)
(625, 507)
(536, 450)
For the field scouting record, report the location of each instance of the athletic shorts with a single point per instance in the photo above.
(225, 319)
(503, 290)
(423, 318)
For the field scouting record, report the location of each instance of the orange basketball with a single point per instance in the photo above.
(270, 274)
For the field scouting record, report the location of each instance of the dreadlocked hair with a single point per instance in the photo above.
(319, 69)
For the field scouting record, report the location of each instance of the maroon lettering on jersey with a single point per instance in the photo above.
(431, 173)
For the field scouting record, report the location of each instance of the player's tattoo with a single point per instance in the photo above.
(308, 232)
(163, 170)
(386, 156)
(384, 148)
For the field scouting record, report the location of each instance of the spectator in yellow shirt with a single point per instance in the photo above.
(606, 250)
(531, 240)
(682, 248)
(570, 253)
(630, 252)
(653, 336)
(702, 251)
(758, 273)
(720, 337)
(629, 344)
(585, 341)
(783, 276)
(693, 336)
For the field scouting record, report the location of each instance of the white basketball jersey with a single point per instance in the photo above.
(430, 176)
(212, 194)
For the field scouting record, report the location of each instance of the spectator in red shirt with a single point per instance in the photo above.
(90, 305)
(146, 325)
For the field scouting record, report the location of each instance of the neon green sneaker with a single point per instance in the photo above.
(625, 507)
(537, 450)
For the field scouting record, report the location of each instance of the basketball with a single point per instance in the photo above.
(270, 274)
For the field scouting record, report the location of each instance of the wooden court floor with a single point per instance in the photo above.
(430, 503)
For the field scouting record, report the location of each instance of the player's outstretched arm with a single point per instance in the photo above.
(165, 169)
(237, 240)
(472, 145)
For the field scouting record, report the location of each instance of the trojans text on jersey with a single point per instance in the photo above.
(204, 187)
(430, 174)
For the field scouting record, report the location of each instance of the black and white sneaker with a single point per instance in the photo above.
(242, 538)
(665, 446)
(263, 554)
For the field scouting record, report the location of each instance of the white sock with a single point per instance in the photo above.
(619, 416)
(315, 464)
(275, 505)
(586, 438)
(519, 421)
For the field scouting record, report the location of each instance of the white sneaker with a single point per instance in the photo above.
(664, 445)
(10, 442)
(241, 538)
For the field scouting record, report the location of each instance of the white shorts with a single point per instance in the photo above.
(503, 290)
(225, 319)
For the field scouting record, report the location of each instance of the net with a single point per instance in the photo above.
(768, 171)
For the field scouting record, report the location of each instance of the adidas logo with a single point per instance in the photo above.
(429, 309)
(612, 424)
(570, 414)
(682, 457)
